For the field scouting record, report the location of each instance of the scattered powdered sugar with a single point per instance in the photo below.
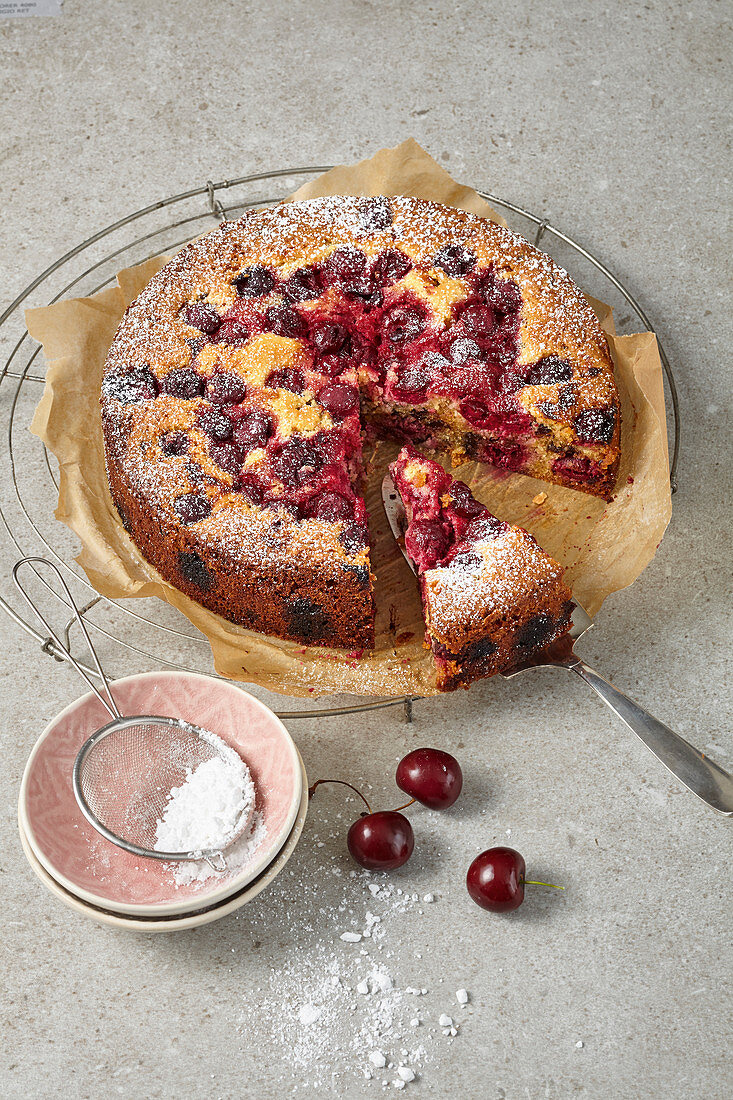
(336, 1008)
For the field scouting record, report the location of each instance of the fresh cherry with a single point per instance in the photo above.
(496, 880)
(430, 776)
(381, 841)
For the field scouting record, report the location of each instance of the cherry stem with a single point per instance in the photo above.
(343, 783)
(531, 882)
(405, 806)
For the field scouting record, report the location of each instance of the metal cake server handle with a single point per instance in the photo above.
(692, 768)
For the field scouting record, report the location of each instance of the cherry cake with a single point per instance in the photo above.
(490, 594)
(242, 380)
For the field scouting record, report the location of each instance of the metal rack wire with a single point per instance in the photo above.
(153, 634)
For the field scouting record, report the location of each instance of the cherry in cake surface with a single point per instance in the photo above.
(238, 387)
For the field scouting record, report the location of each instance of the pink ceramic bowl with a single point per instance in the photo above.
(186, 920)
(93, 869)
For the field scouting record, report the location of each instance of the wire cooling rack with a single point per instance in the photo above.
(137, 635)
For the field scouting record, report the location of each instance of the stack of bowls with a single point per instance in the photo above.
(102, 881)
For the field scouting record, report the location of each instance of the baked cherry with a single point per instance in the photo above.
(595, 425)
(354, 537)
(463, 502)
(495, 880)
(381, 841)
(426, 541)
(284, 321)
(214, 423)
(130, 386)
(227, 457)
(174, 443)
(328, 336)
(202, 317)
(403, 323)
(234, 333)
(430, 776)
(549, 371)
(390, 266)
(286, 378)
(226, 388)
(344, 265)
(330, 506)
(253, 429)
(376, 213)
(297, 461)
(186, 383)
(192, 507)
(455, 259)
(339, 399)
(303, 284)
(254, 282)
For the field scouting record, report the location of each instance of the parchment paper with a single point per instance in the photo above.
(604, 547)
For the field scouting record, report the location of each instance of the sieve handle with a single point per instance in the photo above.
(109, 704)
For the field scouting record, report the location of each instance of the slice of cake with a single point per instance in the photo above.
(491, 595)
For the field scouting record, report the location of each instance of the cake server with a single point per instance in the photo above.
(694, 769)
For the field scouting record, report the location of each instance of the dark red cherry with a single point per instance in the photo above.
(595, 425)
(390, 266)
(254, 282)
(330, 506)
(297, 461)
(404, 323)
(186, 383)
(227, 457)
(305, 283)
(411, 382)
(339, 399)
(286, 378)
(431, 776)
(495, 880)
(250, 490)
(284, 321)
(202, 317)
(253, 429)
(381, 841)
(328, 337)
(214, 423)
(354, 537)
(234, 333)
(192, 507)
(455, 259)
(549, 371)
(426, 542)
(344, 265)
(376, 213)
(130, 386)
(174, 443)
(463, 502)
(226, 388)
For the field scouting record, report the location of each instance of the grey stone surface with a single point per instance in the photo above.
(612, 119)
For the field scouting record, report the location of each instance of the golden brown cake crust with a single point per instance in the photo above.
(308, 578)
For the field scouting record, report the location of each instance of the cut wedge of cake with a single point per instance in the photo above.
(491, 595)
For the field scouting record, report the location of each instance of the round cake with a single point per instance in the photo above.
(241, 382)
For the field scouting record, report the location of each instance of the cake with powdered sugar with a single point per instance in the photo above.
(242, 379)
(491, 596)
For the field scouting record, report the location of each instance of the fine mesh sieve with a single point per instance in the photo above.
(124, 773)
